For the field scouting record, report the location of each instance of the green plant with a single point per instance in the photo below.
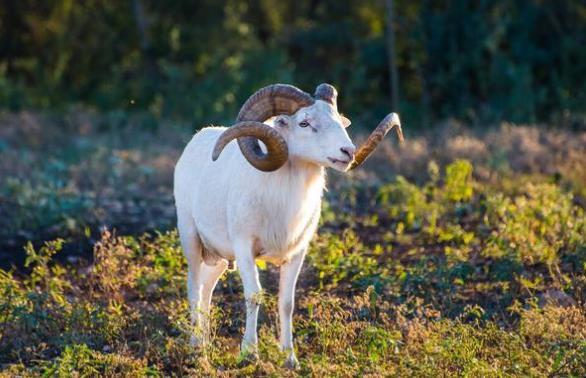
(539, 225)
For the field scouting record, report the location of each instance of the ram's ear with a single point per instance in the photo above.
(345, 121)
(282, 121)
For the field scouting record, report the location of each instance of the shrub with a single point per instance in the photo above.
(540, 225)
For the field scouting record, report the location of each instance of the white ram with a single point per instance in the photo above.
(245, 202)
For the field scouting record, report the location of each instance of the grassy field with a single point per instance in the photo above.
(462, 253)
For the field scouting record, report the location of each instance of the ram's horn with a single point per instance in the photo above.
(390, 121)
(265, 103)
(277, 151)
(327, 93)
(274, 100)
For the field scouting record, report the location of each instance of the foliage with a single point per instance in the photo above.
(535, 227)
(470, 261)
(83, 361)
(103, 320)
(487, 60)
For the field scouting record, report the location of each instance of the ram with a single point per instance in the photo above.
(245, 201)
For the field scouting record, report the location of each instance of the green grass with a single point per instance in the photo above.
(461, 270)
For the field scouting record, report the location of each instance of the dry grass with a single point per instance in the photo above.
(461, 254)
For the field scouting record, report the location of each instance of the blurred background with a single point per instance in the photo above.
(460, 252)
(477, 61)
(98, 98)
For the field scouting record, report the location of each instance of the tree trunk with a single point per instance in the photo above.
(393, 74)
(141, 24)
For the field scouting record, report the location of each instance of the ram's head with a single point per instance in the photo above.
(304, 127)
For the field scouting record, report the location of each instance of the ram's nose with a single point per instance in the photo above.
(349, 151)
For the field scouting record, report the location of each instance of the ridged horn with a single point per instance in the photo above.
(390, 121)
(327, 93)
(274, 100)
(265, 103)
(277, 150)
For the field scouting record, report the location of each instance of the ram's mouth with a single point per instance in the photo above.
(340, 161)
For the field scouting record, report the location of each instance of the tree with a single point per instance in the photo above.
(393, 74)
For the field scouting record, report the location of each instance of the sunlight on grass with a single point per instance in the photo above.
(438, 278)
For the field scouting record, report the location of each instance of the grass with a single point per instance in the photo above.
(468, 259)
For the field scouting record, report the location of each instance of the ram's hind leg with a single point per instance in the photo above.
(192, 248)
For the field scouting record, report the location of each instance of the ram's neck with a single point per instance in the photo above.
(295, 189)
(303, 176)
(291, 206)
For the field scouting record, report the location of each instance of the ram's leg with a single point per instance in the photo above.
(209, 278)
(287, 281)
(193, 253)
(252, 294)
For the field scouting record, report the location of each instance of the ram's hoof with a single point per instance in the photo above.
(196, 342)
(291, 363)
(248, 354)
(246, 359)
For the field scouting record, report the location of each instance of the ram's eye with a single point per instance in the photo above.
(303, 124)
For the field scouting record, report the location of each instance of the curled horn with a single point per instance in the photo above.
(274, 100)
(390, 121)
(277, 150)
(265, 103)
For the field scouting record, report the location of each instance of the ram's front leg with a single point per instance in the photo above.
(287, 281)
(252, 294)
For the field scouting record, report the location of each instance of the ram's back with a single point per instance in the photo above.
(194, 165)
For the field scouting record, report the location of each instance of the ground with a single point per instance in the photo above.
(461, 253)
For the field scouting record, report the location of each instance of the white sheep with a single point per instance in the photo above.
(256, 202)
